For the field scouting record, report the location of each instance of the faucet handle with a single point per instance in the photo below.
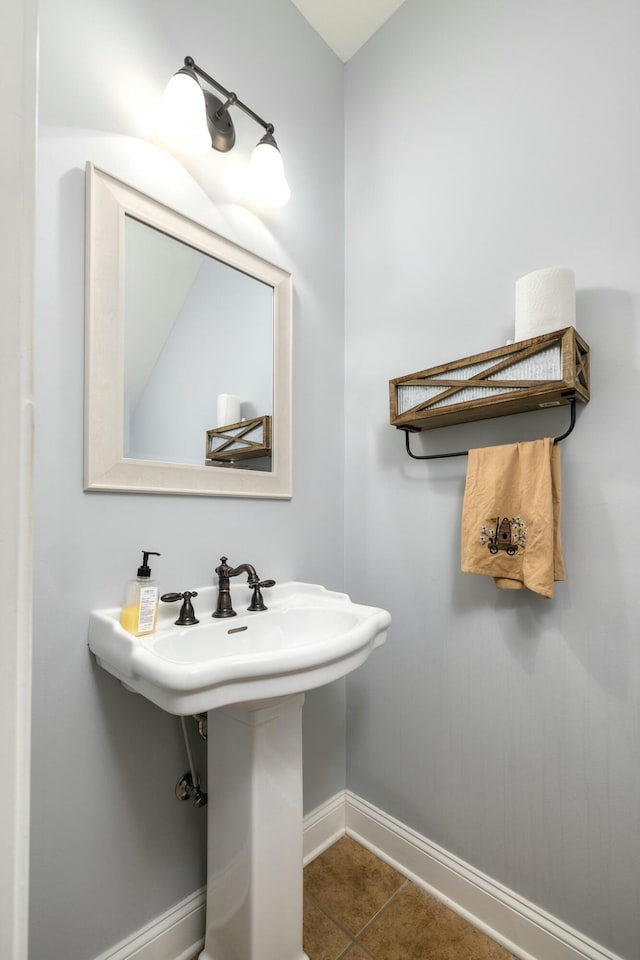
(187, 614)
(257, 603)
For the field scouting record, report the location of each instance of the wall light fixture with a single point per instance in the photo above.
(193, 120)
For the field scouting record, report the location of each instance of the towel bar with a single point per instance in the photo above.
(464, 453)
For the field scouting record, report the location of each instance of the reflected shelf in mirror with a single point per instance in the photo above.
(248, 442)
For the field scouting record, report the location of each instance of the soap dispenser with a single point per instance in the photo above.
(140, 607)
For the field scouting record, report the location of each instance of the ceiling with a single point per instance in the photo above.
(345, 25)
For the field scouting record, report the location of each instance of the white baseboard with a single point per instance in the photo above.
(324, 825)
(521, 927)
(177, 935)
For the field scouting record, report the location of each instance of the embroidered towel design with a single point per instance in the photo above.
(511, 516)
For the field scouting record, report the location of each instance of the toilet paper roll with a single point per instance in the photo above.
(228, 409)
(545, 301)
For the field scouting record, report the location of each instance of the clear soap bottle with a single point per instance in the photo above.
(140, 607)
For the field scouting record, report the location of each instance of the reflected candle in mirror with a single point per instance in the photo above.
(228, 409)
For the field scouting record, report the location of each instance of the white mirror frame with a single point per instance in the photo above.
(105, 467)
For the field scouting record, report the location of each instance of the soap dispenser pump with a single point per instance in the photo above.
(140, 607)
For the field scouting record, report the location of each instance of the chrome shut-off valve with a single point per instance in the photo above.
(186, 789)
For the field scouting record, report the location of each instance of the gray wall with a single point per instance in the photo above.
(485, 140)
(111, 847)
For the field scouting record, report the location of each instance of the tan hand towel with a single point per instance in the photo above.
(511, 516)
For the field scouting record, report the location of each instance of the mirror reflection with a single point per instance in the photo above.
(195, 330)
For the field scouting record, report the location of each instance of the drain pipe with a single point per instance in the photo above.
(188, 786)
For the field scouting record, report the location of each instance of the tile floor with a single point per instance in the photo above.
(356, 907)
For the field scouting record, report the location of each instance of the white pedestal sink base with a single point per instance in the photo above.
(254, 844)
(265, 661)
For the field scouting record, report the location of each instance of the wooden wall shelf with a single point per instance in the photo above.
(541, 372)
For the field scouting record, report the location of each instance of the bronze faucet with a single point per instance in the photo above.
(225, 572)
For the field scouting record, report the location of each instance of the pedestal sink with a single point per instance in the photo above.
(250, 673)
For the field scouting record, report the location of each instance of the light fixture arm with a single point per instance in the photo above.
(231, 98)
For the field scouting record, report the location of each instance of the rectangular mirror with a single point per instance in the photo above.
(176, 317)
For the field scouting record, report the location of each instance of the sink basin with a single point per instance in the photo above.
(309, 636)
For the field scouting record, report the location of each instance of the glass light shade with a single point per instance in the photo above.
(267, 183)
(182, 121)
